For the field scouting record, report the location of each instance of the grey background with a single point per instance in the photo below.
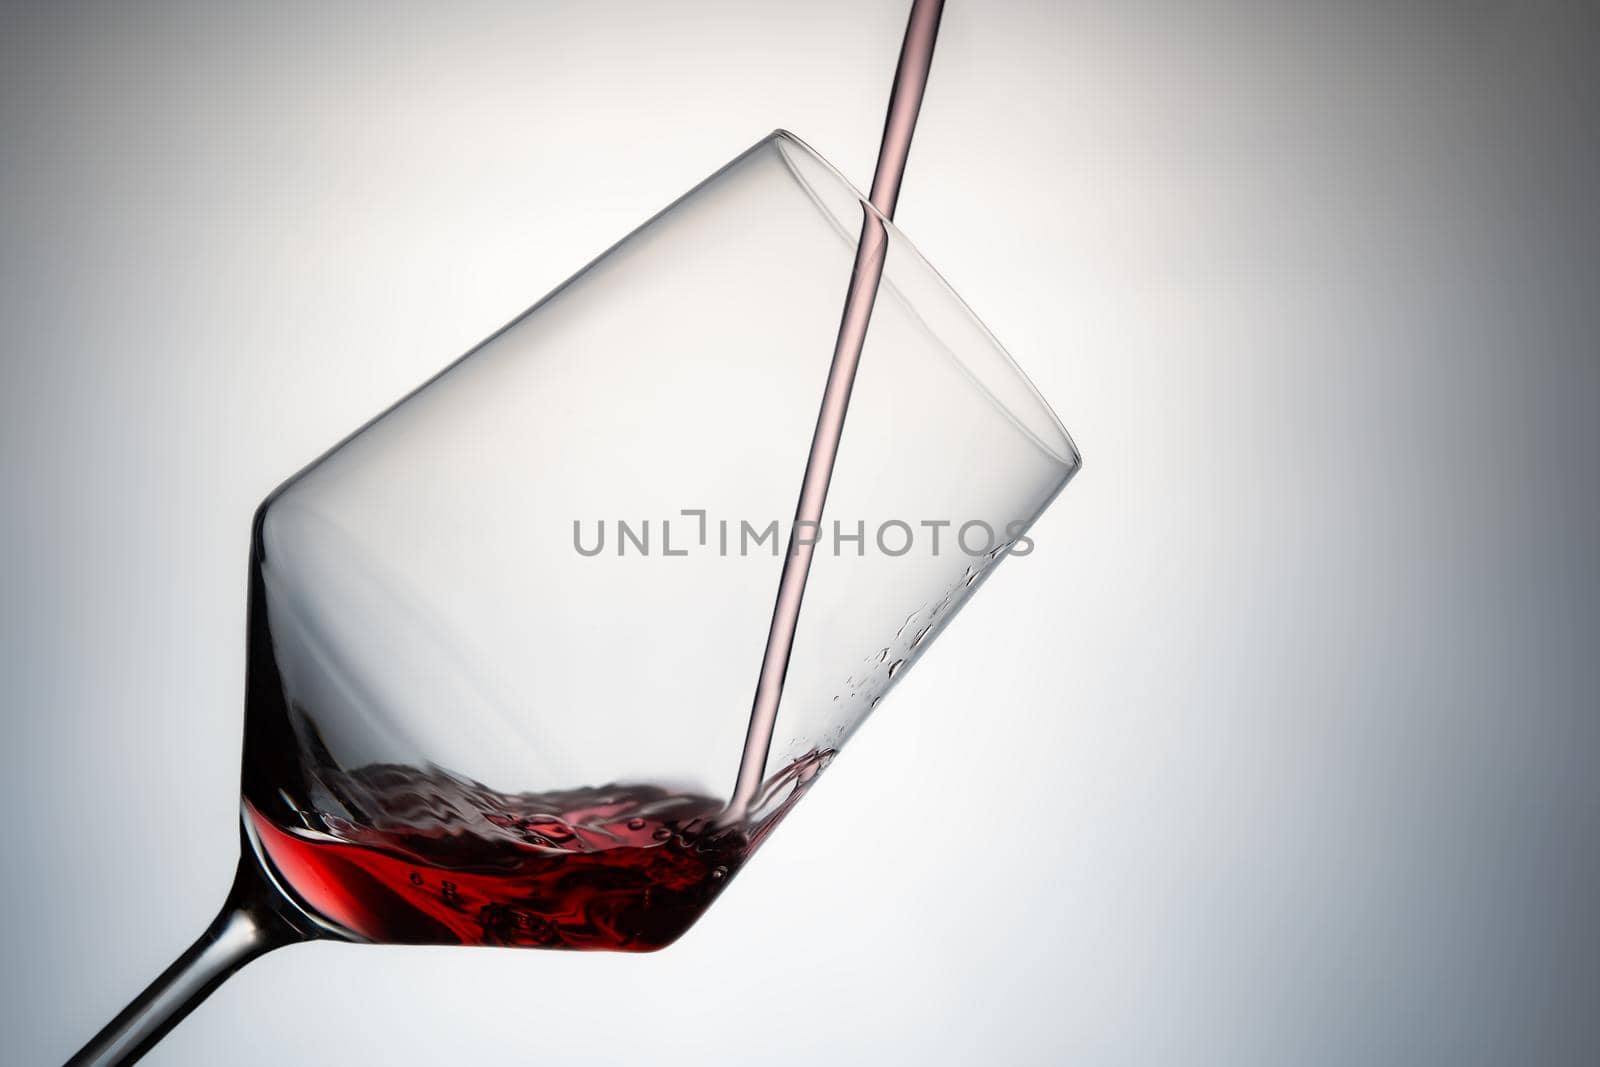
(1280, 749)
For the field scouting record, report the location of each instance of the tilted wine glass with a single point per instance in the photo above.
(550, 568)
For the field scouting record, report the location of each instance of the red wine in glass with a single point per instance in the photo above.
(426, 858)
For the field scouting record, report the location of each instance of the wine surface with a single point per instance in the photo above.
(424, 857)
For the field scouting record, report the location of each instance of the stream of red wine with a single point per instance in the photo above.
(905, 101)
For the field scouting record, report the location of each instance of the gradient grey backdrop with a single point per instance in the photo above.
(1279, 750)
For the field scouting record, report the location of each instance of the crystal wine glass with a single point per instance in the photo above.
(502, 638)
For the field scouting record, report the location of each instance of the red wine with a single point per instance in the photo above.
(905, 101)
(424, 857)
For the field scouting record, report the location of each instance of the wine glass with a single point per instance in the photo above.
(502, 638)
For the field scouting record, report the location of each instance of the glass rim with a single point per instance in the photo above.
(1063, 449)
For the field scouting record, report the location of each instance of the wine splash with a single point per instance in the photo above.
(905, 101)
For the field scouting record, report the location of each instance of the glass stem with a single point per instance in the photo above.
(253, 921)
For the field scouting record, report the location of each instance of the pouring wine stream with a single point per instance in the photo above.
(905, 101)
